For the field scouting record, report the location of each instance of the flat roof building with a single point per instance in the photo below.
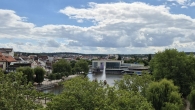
(106, 63)
(116, 67)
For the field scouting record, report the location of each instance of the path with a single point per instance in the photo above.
(187, 104)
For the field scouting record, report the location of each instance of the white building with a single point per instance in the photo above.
(106, 63)
(7, 51)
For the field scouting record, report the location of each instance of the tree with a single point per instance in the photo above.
(78, 58)
(145, 62)
(82, 94)
(28, 72)
(135, 83)
(52, 76)
(62, 66)
(39, 72)
(149, 57)
(119, 57)
(191, 98)
(72, 63)
(164, 95)
(13, 90)
(176, 66)
(81, 66)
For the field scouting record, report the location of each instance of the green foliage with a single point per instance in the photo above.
(164, 95)
(137, 60)
(78, 58)
(89, 62)
(119, 57)
(149, 57)
(62, 66)
(52, 76)
(145, 62)
(58, 76)
(129, 61)
(191, 98)
(176, 66)
(82, 94)
(81, 66)
(72, 63)
(28, 72)
(39, 72)
(15, 93)
(134, 83)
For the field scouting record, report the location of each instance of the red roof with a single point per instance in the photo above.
(6, 58)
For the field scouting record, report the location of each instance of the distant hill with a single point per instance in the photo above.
(72, 53)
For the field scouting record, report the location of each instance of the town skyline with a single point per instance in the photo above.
(97, 26)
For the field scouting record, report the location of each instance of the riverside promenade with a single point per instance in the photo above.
(46, 84)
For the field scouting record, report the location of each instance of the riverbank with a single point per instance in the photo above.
(47, 84)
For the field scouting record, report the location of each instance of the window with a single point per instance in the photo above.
(1, 65)
(112, 65)
(95, 64)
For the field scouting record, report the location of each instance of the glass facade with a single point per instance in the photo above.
(95, 64)
(112, 65)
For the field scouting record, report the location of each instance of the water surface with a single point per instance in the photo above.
(110, 78)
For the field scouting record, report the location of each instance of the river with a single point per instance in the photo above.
(110, 78)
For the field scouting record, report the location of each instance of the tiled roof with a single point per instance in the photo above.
(6, 58)
(10, 59)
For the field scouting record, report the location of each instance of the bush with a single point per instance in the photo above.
(52, 76)
(191, 98)
(58, 76)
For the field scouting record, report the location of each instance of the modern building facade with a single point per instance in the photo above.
(106, 63)
(117, 67)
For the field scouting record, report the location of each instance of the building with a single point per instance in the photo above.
(106, 63)
(117, 67)
(7, 51)
(5, 61)
(111, 66)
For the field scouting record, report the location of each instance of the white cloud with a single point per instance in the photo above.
(192, 4)
(52, 43)
(181, 2)
(184, 7)
(80, 21)
(118, 28)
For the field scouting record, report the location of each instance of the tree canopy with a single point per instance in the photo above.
(13, 90)
(134, 83)
(62, 66)
(176, 66)
(28, 72)
(191, 98)
(164, 96)
(39, 72)
(82, 94)
(81, 66)
(119, 57)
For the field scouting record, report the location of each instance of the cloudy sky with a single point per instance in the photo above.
(97, 26)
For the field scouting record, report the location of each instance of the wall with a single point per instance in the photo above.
(3, 64)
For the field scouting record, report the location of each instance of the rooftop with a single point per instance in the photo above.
(6, 58)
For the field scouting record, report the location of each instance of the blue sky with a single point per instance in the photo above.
(97, 26)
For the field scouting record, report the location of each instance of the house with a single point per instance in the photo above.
(34, 64)
(5, 61)
(7, 51)
(43, 57)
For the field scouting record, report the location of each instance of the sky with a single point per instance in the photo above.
(97, 26)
